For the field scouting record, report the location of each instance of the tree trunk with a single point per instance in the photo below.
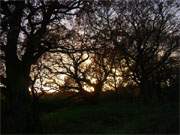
(17, 118)
(19, 114)
(98, 90)
(145, 90)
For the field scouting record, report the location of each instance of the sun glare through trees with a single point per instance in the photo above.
(57, 72)
(89, 66)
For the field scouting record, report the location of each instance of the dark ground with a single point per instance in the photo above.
(109, 115)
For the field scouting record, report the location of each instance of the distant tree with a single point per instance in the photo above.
(100, 69)
(81, 69)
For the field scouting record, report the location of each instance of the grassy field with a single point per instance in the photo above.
(110, 117)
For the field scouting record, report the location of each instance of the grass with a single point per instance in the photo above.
(112, 117)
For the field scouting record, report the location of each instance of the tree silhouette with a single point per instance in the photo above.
(145, 32)
(24, 26)
(134, 39)
(149, 38)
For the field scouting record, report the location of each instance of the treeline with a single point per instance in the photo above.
(115, 45)
(89, 45)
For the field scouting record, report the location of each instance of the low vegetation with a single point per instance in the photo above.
(108, 116)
